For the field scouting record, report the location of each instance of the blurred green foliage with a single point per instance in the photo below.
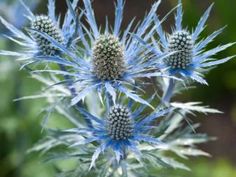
(202, 168)
(20, 121)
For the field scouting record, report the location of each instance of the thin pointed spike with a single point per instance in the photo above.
(160, 32)
(196, 76)
(212, 52)
(96, 154)
(14, 30)
(179, 16)
(52, 10)
(148, 19)
(90, 17)
(27, 9)
(118, 16)
(217, 62)
(208, 40)
(201, 23)
(76, 21)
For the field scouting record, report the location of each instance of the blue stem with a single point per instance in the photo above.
(109, 101)
(67, 78)
(169, 92)
(73, 93)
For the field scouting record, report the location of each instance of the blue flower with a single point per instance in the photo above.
(120, 130)
(110, 60)
(189, 56)
(35, 47)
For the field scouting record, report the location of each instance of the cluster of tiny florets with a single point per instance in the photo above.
(181, 43)
(108, 58)
(45, 25)
(119, 123)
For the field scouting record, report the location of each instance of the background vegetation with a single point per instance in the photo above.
(20, 121)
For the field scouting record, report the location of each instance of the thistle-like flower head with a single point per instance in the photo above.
(120, 129)
(108, 58)
(188, 57)
(35, 43)
(110, 61)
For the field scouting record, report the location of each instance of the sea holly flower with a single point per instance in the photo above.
(125, 139)
(190, 56)
(120, 129)
(111, 60)
(35, 47)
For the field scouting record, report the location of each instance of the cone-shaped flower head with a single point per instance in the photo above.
(119, 123)
(108, 57)
(181, 43)
(45, 25)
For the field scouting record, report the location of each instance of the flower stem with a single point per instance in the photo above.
(73, 93)
(169, 91)
(67, 78)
